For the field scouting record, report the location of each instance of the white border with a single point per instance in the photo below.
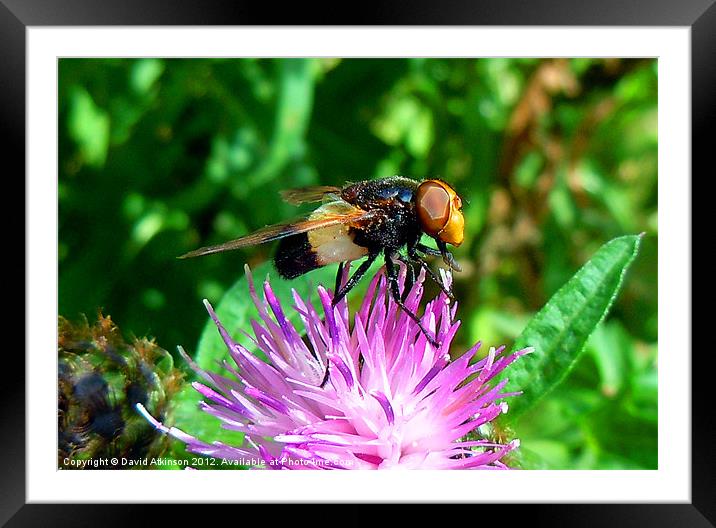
(670, 483)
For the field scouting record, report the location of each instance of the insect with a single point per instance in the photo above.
(364, 219)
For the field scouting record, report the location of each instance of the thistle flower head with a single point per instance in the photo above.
(390, 398)
(101, 379)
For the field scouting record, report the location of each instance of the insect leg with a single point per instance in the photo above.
(327, 375)
(339, 293)
(409, 265)
(428, 250)
(391, 272)
(339, 276)
(357, 275)
(411, 273)
(414, 257)
(447, 256)
(442, 252)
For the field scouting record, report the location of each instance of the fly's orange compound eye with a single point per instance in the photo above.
(438, 208)
(432, 203)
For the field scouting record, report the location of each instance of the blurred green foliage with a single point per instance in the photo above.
(553, 157)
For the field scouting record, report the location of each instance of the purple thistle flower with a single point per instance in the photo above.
(391, 399)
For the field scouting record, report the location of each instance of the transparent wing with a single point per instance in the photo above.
(308, 194)
(331, 214)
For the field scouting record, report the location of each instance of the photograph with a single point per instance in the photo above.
(320, 263)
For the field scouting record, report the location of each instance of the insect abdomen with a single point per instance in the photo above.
(299, 254)
(294, 256)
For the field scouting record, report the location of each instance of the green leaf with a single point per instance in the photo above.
(542, 454)
(559, 331)
(89, 126)
(611, 346)
(293, 115)
(144, 74)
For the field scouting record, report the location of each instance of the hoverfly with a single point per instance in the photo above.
(364, 219)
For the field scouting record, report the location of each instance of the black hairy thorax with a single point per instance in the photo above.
(394, 197)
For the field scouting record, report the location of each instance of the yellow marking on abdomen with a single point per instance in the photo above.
(335, 244)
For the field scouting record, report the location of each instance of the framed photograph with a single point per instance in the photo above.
(437, 240)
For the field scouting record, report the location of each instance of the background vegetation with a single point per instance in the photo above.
(553, 158)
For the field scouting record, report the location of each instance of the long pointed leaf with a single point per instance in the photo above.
(559, 331)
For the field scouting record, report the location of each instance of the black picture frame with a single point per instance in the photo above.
(699, 15)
